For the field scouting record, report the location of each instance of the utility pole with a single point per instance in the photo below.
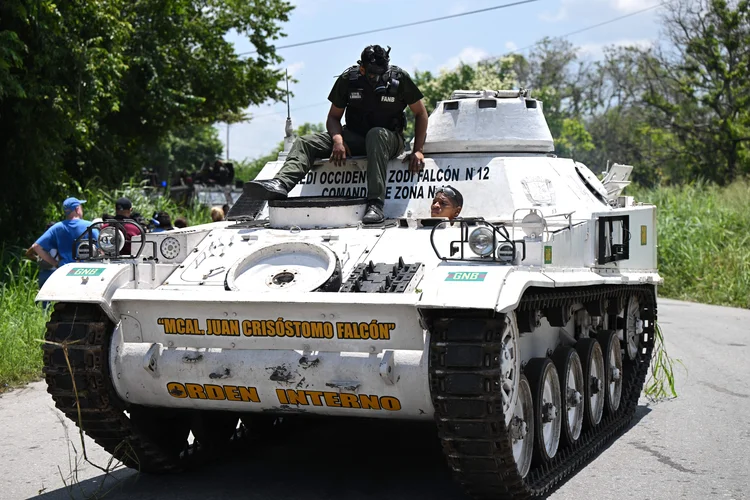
(228, 125)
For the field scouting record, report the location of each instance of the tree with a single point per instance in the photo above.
(87, 87)
(698, 86)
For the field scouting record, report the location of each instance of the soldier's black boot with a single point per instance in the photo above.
(271, 189)
(374, 213)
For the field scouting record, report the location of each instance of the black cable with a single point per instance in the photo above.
(620, 18)
(575, 32)
(415, 23)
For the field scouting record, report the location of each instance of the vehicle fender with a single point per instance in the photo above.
(87, 283)
(515, 284)
(462, 286)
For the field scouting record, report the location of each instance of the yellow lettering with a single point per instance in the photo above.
(246, 328)
(190, 326)
(281, 394)
(332, 399)
(328, 330)
(176, 390)
(315, 397)
(232, 393)
(249, 394)
(316, 330)
(390, 403)
(169, 325)
(256, 328)
(349, 400)
(385, 333)
(369, 402)
(296, 397)
(195, 391)
(214, 392)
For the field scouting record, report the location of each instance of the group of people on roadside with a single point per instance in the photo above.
(54, 248)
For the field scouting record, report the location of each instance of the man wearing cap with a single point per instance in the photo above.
(374, 95)
(61, 235)
(124, 210)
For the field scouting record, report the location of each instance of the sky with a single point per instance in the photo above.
(428, 47)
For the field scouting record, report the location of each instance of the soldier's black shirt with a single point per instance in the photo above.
(407, 92)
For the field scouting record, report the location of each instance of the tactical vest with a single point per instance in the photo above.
(367, 109)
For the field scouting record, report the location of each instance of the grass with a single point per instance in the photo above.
(21, 322)
(704, 242)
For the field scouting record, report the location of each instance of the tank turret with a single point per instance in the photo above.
(522, 324)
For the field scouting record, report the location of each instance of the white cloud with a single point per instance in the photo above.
(633, 5)
(511, 46)
(596, 50)
(295, 67)
(468, 55)
(418, 61)
(457, 8)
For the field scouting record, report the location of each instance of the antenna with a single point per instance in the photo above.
(288, 111)
(288, 129)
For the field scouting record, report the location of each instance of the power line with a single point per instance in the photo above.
(415, 23)
(565, 35)
(587, 28)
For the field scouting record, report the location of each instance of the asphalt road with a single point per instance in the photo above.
(694, 447)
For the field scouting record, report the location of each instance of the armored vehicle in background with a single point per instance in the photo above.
(522, 329)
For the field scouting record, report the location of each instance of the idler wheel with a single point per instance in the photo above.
(167, 429)
(632, 329)
(521, 428)
(568, 365)
(592, 360)
(545, 390)
(613, 370)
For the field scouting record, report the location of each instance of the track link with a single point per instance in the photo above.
(465, 372)
(84, 331)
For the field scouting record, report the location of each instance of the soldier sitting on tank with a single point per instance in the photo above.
(447, 203)
(374, 95)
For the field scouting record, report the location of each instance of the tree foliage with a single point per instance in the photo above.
(91, 89)
(678, 111)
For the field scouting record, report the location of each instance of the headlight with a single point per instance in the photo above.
(481, 241)
(505, 252)
(107, 238)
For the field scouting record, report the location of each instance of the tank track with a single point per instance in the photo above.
(463, 370)
(85, 331)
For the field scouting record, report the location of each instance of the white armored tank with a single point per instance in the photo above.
(523, 328)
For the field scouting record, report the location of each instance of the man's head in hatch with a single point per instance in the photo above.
(447, 203)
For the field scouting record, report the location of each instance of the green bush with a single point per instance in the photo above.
(21, 321)
(703, 242)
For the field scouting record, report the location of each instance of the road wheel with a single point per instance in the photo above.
(521, 428)
(545, 392)
(613, 370)
(568, 365)
(592, 360)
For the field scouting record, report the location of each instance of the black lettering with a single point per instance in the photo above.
(469, 174)
(388, 193)
(485, 175)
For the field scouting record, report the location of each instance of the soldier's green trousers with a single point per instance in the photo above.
(380, 145)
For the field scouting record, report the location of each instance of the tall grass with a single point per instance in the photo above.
(704, 242)
(21, 321)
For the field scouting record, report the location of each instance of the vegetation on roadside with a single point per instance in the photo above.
(703, 241)
(21, 320)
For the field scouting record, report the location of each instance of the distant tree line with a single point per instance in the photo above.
(678, 111)
(95, 90)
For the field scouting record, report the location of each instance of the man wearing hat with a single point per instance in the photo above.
(61, 235)
(372, 95)
(124, 210)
